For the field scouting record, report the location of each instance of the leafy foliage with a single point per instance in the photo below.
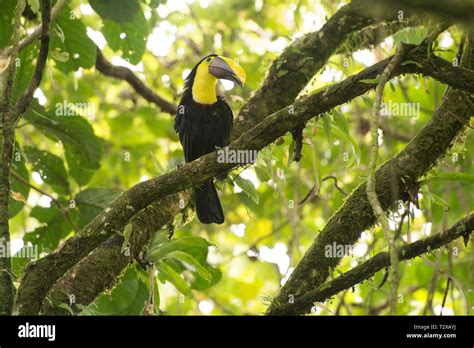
(87, 137)
(172, 257)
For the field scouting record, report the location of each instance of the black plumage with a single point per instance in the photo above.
(202, 128)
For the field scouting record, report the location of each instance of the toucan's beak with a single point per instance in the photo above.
(227, 69)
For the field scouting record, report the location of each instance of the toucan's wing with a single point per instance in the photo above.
(226, 121)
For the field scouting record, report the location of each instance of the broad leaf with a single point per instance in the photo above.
(69, 35)
(83, 148)
(129, 297)
(168, 273)
(156, 252)
(18, 165)
(6, 23)
(92, 201)
(248, 188)
(127, 37)
(116, 10)
(50, 167)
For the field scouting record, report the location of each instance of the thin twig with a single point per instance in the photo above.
(445, 295)
(371, 187)
(7, 290)
(120, 72)
(36, 33)
(340, 189)
(25, 100)
(62, 209)
(366, 270)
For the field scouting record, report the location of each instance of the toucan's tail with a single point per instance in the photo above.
(208, 206)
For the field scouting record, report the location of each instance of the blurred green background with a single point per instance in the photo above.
(114, 139)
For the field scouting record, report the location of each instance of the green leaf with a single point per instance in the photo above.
(92, 201)
(367, 101)
(262, 173)
(168, 273)
(392, 86)
(80, 174)
(199, 282)
(116, 10)
(127, 233)
(154, 3)
(350, 140)
(128, 37)
(248, 188)
(426, 199)
(187, 258)
(340, 121)
(129, 297)
(19, 262)
(59, 55)
(44, 214)
(83, 148)
(327, 127)
(50, 167)
(202, 284)
(66, 307)
(406, 62)
(19, 166)
(50, 234)
(69, 35)
(6, 25)
(156, 296)
(411, 35)
(34, 5)
(371, 81)
(438, 200)
(449, 176)
(24, 70)
(158, 249)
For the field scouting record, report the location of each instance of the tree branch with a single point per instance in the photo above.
(10, 119)
(62, 209)
(366, 270)
(40, 276)
(123, 73)
(25, 100)
(371, 194)
(369, 36)
(392, 178)
(7, 290)
(100, 269)
(316, 49)
(375, 34)
(303, 58)
(344, 24)
(459, 10)
(36, 33)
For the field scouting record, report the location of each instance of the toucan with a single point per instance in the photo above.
(204, 123)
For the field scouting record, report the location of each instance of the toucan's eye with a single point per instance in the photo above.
(208, 59)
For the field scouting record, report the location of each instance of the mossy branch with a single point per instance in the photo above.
(371, 194)
(7, 290)
(393, 179)
(40, 276)
(367, 269)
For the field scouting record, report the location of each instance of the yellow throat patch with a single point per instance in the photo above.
(204, 86)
